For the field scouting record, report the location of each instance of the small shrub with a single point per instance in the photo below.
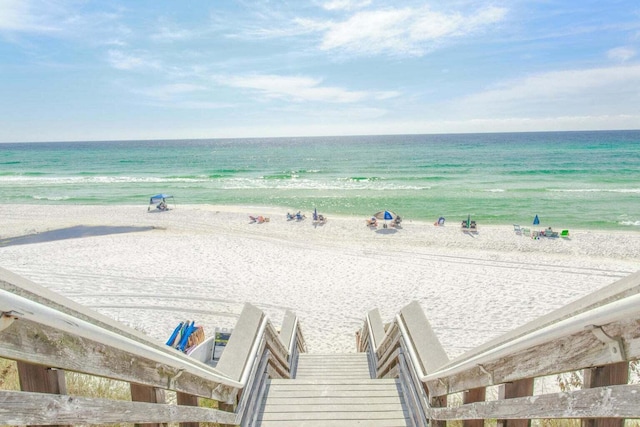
(97, 387)
(9, 375)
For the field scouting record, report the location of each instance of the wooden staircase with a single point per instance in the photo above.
(332, 390)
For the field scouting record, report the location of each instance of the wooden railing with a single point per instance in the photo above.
(47, 334)
(598, 335)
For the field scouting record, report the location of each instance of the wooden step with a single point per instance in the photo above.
(332, 366)
(333, 390)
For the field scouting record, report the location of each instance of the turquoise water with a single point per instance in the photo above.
(569, 179)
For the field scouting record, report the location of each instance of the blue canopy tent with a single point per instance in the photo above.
(160, 200)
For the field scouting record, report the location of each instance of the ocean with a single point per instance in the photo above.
(587, 180)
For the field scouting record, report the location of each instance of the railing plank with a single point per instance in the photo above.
(22, 408)
(618, 290)
(549, 358)
(236, 354)
(377, 327)
(279, 353)
(25, 288)
(42, 345)
(288, 331)
(425, 342)
(621, 401)
(41, 329)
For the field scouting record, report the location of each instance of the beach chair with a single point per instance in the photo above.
(564, 234)
(517, 229)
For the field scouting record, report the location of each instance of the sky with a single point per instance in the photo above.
(81, 70)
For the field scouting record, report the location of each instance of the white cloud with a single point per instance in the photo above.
(300, 88)
(124, 61)
(365, 30)
(597, 91)
(407, 31)
(345, 4)
(202, 105)
(21, 16)
(169, 32)
(63, 19)
(165, 92)
(621, 54)
(370, 32)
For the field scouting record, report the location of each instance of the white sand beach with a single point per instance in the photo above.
(203, 262)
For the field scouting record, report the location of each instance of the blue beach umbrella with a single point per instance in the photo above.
(386, 215)
(536, 220)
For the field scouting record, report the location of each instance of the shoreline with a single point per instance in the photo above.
(203, 262)
(620, 226)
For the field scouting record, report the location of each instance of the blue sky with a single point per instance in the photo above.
(156, 69)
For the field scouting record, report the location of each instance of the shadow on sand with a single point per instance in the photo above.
(386, 231)
(70, 233)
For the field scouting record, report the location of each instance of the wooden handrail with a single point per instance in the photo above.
(44, 336)
(599, 329)
(20, 286)
(39, 327)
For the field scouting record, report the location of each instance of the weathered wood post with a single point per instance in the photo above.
(615, 374)
(471, 396)
(187, 400)
(438, 402)
(228, 407)
(520, 388)
(41, 379)
(143, 393)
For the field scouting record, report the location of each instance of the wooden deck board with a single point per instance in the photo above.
(329, 393)
(327, 406)
(333, 423)
(332, 415)
(335, 400)
(392, 388)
